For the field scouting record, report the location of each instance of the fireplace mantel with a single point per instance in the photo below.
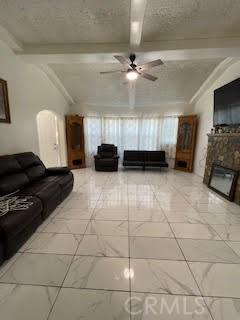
(224, 150)
(223, 135)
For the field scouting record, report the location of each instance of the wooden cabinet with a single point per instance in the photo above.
(186, 139)
(75, 142)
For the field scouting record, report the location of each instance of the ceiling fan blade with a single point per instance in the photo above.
(113, 71)
(147, 76)
(149, 65)
(123, 61)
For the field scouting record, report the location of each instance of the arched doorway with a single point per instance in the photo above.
(49, 134)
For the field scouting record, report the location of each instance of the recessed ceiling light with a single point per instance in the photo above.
(132, 75)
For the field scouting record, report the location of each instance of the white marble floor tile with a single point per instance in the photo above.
(28, 242)
(54, 243)
(150, 229)
(155, 248)
(221, 218)
(79, 204)
(105, 246)
(177, 207)
(7, 264)
(194, 231)
(38, 269)
(83, 196)
(211, 208)
(207, 251)
(162, 276)
(217, 279)
(235, 246)
(148, 306)
(113, 203)
(81, 214)
(142, 205)
(113, 196)
(66, 226)
(110, 214)
(146, 214)
(108, 228)
(90, 305)
(98, 273)
(184, 217)
(142, 197)
(228, 232)
(224, 308)
(26, 302)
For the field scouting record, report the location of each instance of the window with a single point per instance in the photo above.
(131, 134)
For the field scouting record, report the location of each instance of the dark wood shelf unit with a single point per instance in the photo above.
(186, 140)
(75, 141)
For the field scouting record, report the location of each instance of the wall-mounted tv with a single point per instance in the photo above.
(227, 104)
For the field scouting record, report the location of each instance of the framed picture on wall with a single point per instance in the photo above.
(4, 102)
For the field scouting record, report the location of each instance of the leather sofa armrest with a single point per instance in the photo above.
(57, 170)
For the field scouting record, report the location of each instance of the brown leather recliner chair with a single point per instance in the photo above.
(107, 158)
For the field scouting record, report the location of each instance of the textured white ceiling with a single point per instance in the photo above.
(177, 81)
(191, 19)
(87, 86)
(98, 21)
(66, 21)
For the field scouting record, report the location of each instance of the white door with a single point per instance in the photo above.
(48, 138)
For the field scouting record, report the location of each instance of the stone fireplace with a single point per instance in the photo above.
(224, 150)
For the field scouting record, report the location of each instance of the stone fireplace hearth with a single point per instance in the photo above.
(224, 150)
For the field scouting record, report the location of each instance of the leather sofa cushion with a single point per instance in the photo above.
(61, 179)
(48, 192)
(134, 156)
(106, 154)
(155, 156)
(27, 159)
(57, 171)
(106, 147)
(15, 221)
(9, 165)
(35, 173)
(133, 163)
(32, 165)
(12, 182)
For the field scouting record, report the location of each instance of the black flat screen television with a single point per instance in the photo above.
(227, 105)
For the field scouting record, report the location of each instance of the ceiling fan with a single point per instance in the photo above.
(134, 71)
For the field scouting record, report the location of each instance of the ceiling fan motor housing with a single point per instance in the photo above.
(132, 57)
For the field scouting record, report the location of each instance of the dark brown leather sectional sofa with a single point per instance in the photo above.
(24, 175)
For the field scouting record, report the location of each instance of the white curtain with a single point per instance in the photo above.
(131, 134)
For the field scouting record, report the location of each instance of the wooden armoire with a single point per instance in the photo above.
(75, 141)
(186, 140)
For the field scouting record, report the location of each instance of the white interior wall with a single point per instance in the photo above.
(30, 91)
(159, 110)
(204, 109)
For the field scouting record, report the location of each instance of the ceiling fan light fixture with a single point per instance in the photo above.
(132, 75)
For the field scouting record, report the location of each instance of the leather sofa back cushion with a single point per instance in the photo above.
(134, 155)
(28, 159)
(35, 173)
(155, 156)
(31, 164)
(13, 182)
(105, 154)
(9, 165)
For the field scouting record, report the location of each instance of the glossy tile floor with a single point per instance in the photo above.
(129, 245)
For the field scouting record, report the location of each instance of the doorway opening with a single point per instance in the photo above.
(51, 138)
